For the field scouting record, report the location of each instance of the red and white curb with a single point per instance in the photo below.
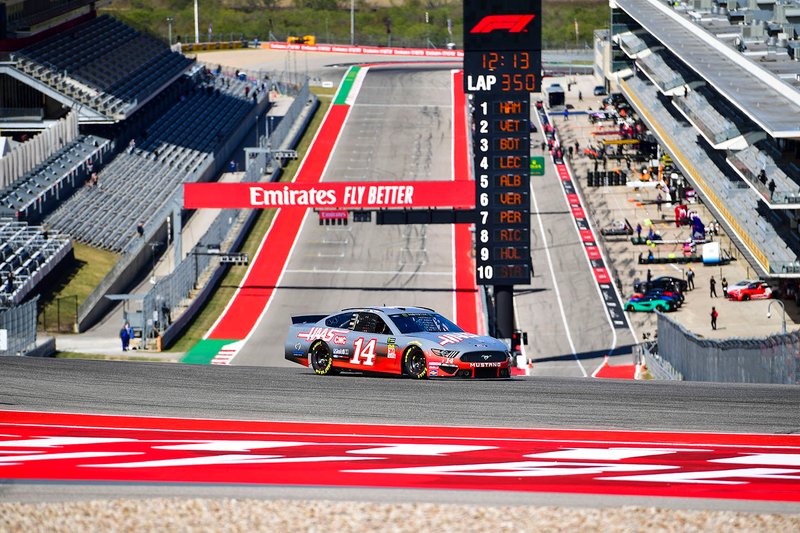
(227, 353)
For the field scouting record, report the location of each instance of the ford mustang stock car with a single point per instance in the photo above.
(410, 341)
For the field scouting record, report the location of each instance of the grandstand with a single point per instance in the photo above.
(178, 147)
(27, 255)
(731, 69)
(35, 194)
(104, 64)
(102, 124)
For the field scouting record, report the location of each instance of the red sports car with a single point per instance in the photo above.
(750, 290)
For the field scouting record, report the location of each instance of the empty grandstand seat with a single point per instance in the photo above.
(103, 57)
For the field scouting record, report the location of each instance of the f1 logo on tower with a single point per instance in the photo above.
(510, 23)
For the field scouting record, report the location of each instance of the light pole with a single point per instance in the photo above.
(783, 308)
(783, 341)
(170, 20)
(196, 23)
(352, 22)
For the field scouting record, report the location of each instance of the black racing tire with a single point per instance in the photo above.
(630, 308)
(745, 297)
(414, 363)
(320, 359)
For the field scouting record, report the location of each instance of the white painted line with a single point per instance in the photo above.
(266, 236)
(555, 284)
(406, 105)
(366, 272)
(305, 218)
(602, 255)
(361, 424)
(681, 446)
(552, 269)
(453, 178)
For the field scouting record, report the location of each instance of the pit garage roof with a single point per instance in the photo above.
(768, 101)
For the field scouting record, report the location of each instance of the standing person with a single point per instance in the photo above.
(690, 279)
(714, 316)
(713, 287)
(659, 200)
(125, 336)
(638, 231)
(724, 286)
(771, 188)
(130, 332)
(649, 276)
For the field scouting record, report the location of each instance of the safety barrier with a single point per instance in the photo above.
(167, 302)
(137, 254)
(646, 355)
(18, 328)
(772, 359)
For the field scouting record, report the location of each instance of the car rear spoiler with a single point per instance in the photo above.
(307, 319)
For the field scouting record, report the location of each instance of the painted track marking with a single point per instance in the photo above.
(103, 448)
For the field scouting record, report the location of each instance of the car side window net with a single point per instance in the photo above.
(340, 321)
(371, 323)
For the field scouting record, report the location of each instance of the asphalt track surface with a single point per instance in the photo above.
(568, 327)
(296, 394)
(334, 267)
(399, 129)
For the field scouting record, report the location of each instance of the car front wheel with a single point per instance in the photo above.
(320, 359)
(414, 363)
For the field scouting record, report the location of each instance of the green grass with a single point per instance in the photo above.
(329, 20)
(76, 280)
(216, 304)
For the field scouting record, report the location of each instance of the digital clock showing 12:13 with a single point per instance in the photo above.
(502, 72)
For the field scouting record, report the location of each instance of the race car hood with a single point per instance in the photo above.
(461, 341)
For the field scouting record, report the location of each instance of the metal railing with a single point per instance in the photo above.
(167, 299)
(685, 153)
(18, 328)
(772, 359)
(647, 354)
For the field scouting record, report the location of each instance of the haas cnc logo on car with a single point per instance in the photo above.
(509, 23)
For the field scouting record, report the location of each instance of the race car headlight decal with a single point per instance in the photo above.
(444, 353)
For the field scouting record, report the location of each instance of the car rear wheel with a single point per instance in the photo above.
(745, 297)
(320, 359)
(629, 308)
(414, 363)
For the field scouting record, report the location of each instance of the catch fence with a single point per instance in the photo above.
(18, 328)
(772, 359)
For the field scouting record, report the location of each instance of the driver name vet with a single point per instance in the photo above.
(356, 196)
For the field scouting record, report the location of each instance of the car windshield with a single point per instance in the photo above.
(418, 322)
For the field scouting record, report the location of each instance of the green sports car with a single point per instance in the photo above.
(650, 303)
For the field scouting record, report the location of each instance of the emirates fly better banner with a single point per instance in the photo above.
(356, 195)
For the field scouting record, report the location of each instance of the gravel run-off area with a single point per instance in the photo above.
(232, 515)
